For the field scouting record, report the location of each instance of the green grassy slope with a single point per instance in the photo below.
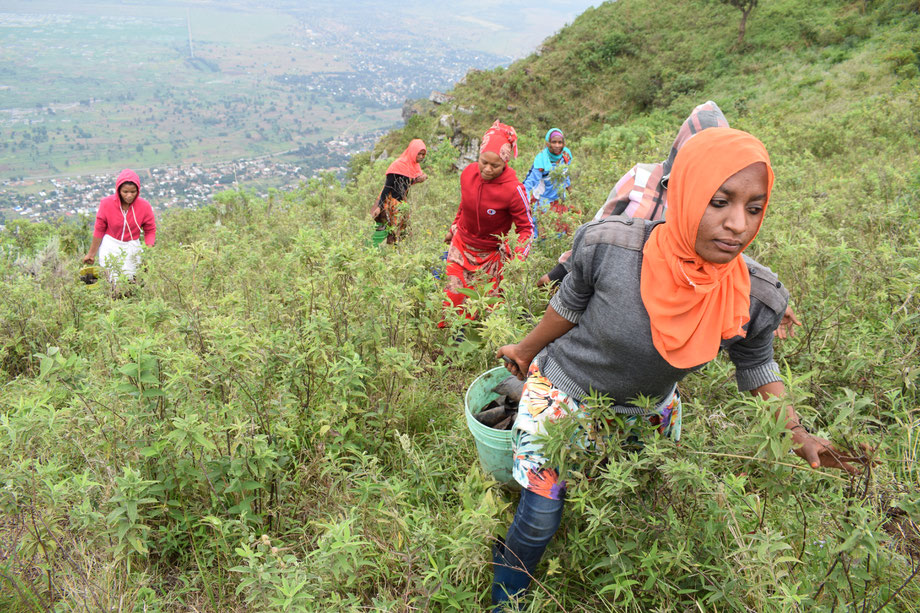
(273, 421)
(622, 60)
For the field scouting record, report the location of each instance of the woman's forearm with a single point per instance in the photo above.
(94, 246)
(813, 449)
(776, 388)
(551, 326)
(90, 256)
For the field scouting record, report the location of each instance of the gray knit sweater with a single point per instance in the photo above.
(610, 350)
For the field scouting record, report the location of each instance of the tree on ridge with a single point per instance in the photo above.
(745, 6)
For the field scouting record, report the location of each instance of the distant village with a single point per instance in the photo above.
(167, 187)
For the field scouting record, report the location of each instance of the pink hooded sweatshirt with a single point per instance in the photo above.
(126, 227)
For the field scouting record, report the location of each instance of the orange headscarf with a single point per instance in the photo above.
(694, 304)
(406, 164)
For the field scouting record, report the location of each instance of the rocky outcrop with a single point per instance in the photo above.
(410, 108)
(467, 145)
(468, 148)
(440, 97)
(444, 107)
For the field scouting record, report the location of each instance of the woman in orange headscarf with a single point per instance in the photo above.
(645, 304)
(390, 212)
(643, 192)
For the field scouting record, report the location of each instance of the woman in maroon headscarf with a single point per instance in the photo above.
(491, 200)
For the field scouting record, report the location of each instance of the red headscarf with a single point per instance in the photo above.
(693, 304)
(501, 140)
(406, 164)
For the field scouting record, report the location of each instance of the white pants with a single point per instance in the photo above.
(120, 256)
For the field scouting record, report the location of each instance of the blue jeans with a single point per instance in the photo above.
(514, 561)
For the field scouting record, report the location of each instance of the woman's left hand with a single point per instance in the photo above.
(786, 328)
(421, 178)
(819, 451)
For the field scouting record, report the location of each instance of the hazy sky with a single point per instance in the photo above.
(510, 28)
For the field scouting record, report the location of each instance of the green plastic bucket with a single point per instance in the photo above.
(493, 446)
(379, 237)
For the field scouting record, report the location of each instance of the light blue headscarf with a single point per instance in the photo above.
(546, 159)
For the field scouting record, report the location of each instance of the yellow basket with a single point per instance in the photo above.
(91, 274)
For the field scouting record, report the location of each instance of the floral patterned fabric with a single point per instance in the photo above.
(543, 403)
(393, 217)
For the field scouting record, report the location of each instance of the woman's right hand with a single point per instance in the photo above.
(450, 233)
(89, 259)
(819, 451)
(516, 361)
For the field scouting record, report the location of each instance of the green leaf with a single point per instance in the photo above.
(204, 442)
(130, 370)
(138, 546)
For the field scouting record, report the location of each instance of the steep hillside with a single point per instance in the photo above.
(272, 420)
(804, 67)
(832, 88)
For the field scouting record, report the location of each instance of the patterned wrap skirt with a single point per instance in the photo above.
(468, 267)
(543, 403)
(392, 215)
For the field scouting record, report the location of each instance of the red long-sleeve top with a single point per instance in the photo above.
(489, 208)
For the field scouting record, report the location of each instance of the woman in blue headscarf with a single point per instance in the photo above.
(546, 186)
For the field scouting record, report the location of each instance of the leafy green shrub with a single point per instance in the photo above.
(273, 374)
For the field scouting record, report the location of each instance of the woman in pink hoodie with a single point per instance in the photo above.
(120, 220)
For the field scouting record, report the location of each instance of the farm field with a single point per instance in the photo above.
(90, 85)
(88, 91)
(89, 88)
